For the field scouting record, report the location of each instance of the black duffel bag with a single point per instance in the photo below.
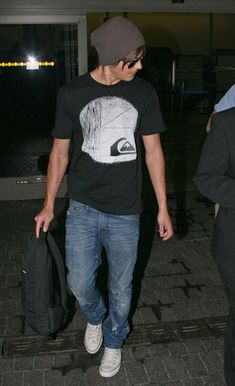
(44, 293)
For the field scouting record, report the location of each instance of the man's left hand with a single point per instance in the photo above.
(165, 225)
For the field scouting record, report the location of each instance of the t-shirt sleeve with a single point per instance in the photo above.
(63, 127)
(151, 121)
(228, 100)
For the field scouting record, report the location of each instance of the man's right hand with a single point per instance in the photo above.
(43, 220)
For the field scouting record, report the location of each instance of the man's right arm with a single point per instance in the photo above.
(58, 162)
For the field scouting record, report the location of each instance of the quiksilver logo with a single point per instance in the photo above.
(121, 146)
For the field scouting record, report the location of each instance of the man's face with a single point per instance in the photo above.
(127, 68)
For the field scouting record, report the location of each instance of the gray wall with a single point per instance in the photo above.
(16, 7)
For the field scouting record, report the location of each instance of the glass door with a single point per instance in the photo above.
(35, 61)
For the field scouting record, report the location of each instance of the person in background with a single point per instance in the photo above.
(106, 113)
(227, 102)
(215, 179)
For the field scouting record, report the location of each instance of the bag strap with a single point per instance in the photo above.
(55, 252)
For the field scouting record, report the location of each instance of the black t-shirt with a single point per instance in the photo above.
(105, 123)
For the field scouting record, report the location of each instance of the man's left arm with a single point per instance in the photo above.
(156, 166)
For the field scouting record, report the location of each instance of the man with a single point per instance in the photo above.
(105, 112)
(225, 103)
(216, 180)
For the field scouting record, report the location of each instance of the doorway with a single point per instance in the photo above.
(36, 60)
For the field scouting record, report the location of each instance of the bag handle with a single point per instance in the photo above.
(60, 266)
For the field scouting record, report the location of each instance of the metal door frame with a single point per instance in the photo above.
(33, 187)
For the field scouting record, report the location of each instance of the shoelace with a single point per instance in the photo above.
(110, 356)
(92, 331)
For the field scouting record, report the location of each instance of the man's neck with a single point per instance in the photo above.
(103, 75)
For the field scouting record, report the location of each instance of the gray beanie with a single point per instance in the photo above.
(115, 39)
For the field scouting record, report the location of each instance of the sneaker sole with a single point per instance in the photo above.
(97, 349)
(109, 374)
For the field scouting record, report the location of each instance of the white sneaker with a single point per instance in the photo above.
(111, 362)
(93, 338)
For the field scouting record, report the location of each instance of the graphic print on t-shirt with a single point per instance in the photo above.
(108, 126)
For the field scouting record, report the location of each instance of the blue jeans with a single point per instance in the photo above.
(87, 231)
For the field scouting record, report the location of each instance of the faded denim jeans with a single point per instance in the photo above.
(87, 231)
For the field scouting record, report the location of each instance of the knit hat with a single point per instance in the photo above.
(115, 39)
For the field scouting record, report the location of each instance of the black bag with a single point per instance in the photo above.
(44, 294)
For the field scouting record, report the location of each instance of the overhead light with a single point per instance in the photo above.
(24, 64)
(32, 59)
(177, 1)
(32, 63)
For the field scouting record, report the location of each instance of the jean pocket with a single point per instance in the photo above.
(75, 207)
(129, 217)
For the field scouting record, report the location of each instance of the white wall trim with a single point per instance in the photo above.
(82, 45)
(14, 188)
(40, 19)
